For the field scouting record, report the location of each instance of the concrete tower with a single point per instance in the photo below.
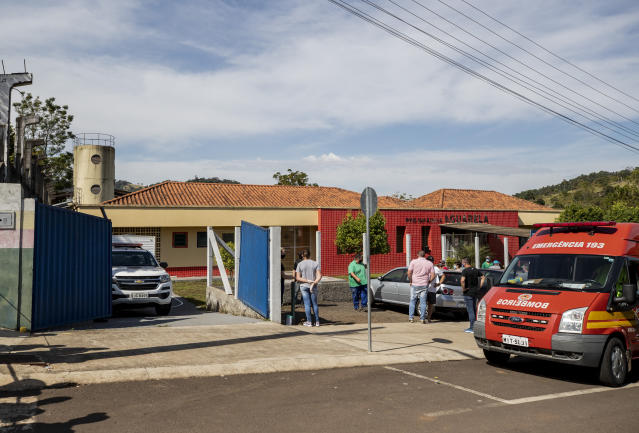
(93, 168)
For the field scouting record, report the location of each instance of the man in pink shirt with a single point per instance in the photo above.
(420, 273)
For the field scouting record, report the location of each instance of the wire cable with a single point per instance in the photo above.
(550, 52)
(545, 62)
(552, 94)
(400, 35)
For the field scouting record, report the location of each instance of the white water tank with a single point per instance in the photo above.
(93, 168)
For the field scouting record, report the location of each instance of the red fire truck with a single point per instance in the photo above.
(569, 295)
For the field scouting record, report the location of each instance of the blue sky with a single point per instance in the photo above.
(241, 89)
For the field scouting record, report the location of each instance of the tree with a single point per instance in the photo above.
(54, 130)
(468, 251)
(227, 259)
(349, 234)
(402, 196)
(212, 180)
(298, 178)
(575, 213)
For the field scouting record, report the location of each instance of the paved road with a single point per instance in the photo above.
(456, 396)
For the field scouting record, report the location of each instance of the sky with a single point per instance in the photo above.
(242, 89)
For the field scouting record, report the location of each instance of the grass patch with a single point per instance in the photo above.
(193, 291)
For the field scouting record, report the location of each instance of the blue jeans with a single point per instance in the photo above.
(416, 291)
(360, 292)
(470, 307)
(309, 298)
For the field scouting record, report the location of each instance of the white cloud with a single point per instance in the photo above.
(325, 157)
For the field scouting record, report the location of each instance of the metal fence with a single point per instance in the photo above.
(254, 273)
(71, 269)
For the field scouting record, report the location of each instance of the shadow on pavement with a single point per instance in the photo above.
(18, 408)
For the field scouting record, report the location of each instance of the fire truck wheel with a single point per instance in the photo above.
(496, 358)
(614, 365)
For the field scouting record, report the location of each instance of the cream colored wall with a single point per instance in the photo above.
(527, 219)
(190, 256)
(86, 174)
(202, 217)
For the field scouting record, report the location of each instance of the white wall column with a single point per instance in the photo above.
(209, 258)
(477, 262)
(408, 249)
(237, 241)
(506, 258)
(318, 248)
(275, 273)
(444, 248)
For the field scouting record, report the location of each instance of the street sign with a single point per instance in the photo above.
(368, 202)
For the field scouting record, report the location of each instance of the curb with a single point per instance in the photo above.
(269, 365)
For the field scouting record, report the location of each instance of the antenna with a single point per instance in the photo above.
(25, 65)
(3, 71)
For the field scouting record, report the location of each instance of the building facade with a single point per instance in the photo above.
(177, 214)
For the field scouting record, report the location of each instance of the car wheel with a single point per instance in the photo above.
(613, 370)
(496, 358)
(163, 310)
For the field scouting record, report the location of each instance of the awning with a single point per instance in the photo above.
(489, 228)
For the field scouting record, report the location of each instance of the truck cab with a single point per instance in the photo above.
(570, 296)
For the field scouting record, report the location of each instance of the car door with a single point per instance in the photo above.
(403, 288)
(388, 289)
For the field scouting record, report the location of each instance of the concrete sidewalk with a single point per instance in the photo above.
(156, 352)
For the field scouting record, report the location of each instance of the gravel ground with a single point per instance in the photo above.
(342, 313)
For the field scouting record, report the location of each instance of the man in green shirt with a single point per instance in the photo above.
(487, 263)
(358, 283)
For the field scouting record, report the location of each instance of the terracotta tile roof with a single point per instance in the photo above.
(473, 199)
(224, 195)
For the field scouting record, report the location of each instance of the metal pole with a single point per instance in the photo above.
(444, 246)
(368, 283)
(477, 262)
(407, 249)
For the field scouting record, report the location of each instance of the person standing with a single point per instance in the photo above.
(420, 273)
(433, 286)
(308, 274)
(487, 263)
(358, 283)
(470, 288)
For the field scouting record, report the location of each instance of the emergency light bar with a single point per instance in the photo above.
(578, 224)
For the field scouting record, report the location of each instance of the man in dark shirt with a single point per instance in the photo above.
(470, 288)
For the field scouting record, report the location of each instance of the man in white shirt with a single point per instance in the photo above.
(431, 295)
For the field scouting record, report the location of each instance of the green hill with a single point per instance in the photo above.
(601, 189)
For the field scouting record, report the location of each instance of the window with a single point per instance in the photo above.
(425, 236)
(96, 159)
(396, 276)
(201, 239)
(132, 258)
(180, 240)
(95, 189)
(399, 238)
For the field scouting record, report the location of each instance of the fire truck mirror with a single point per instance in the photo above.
(629, 295)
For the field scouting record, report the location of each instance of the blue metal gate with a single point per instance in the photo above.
(71, 269)
(253, 282)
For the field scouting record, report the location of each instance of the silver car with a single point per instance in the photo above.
(393, 288)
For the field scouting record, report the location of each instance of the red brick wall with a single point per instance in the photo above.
(337, 264)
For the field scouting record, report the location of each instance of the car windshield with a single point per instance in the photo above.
(132, 258)
(559, 271)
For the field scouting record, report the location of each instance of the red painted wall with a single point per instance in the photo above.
(337, 264)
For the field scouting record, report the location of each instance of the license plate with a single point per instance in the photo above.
(139, 295)
(514, 340)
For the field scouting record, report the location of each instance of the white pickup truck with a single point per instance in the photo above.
(138, 280)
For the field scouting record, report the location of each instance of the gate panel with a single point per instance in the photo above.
(72, 267)
(253, 279)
